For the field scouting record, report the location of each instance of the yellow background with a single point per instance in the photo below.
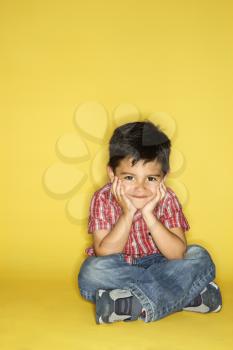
(170, 56)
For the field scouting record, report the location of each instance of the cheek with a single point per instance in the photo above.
(127, 186)
(153, 188)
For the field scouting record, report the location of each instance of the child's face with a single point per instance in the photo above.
(140, 182)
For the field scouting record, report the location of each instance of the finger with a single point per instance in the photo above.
(122, 192)
(164, 187)
(158, 192)
(123, 195)
(118, 186)
(126, 199)
(163, 184)
(157, 195)
(114, 185)
(163, 190)
(164, 193)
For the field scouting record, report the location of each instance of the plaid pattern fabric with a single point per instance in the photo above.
(105, 211)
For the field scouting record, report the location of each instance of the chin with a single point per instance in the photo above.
(139, 203)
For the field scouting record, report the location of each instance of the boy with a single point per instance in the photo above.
(140, 267)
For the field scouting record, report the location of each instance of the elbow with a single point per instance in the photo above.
(179, 255)
(182, 251)
(100, 251)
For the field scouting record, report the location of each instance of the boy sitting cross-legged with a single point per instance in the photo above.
(140, 266)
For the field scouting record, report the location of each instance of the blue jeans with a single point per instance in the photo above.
(162, 286)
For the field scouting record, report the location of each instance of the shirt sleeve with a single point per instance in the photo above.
(173, 214)
(98, 214)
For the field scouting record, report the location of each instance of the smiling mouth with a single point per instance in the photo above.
(139, 196)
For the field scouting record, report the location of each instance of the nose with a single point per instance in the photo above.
(140, 186)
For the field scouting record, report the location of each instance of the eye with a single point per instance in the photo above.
(128, 177)
(152, 178)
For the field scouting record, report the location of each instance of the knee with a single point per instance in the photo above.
(92, 270)
(196, 251)
(201, 257)
(87, 270)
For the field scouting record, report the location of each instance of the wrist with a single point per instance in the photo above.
(147, 214)
(128, 215)
(151, 221)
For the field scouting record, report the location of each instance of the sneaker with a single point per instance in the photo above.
(116, 305)
(209, 300)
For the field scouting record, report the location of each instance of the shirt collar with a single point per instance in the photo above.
(137, 215)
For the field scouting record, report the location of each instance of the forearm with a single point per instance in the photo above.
(114, 242)
(170, 245)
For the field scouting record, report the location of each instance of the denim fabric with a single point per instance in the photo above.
(162, 286)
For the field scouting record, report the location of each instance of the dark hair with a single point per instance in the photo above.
(140, 140)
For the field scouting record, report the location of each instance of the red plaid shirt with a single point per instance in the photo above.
(105, 211)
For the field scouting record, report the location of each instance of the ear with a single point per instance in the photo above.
(110, 173)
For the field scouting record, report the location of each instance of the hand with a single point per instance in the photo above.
(119, 193)
(159, 195)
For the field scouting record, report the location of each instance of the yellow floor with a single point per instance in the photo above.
(51, 315)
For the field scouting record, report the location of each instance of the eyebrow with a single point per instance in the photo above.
(124, 173)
